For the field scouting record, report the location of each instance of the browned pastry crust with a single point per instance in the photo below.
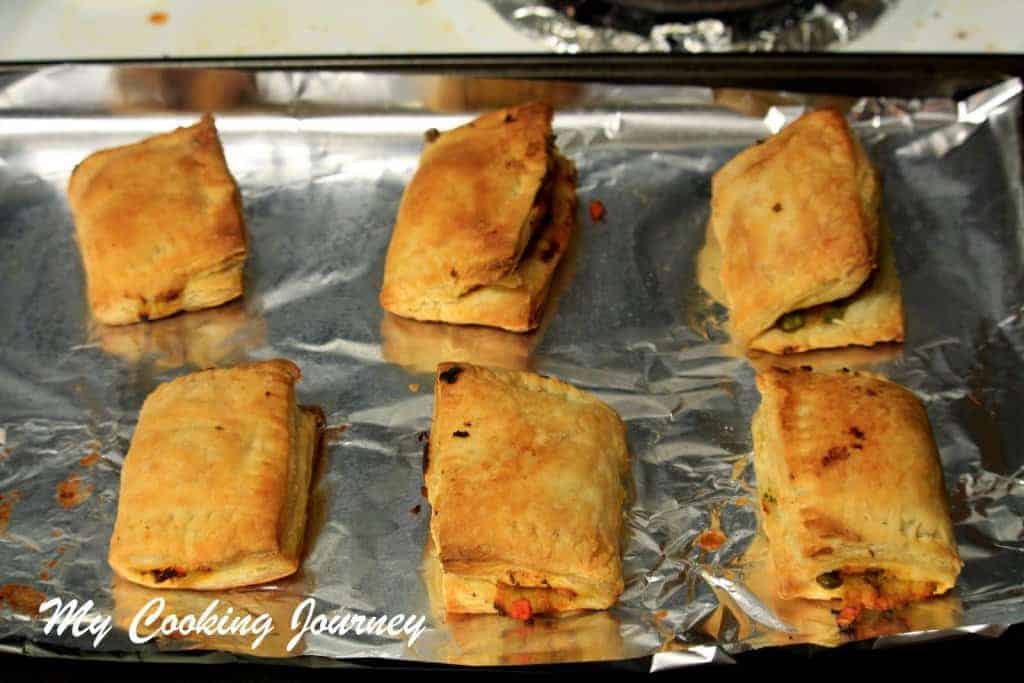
(159, 224)
(489, 639)
(214, 487)
(874, 314)
(483, 224)
(525, 476)
(796, 219)
(851, 490)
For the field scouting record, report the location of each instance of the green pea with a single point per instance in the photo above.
(834, 313)
(791, 322)
(830, 580)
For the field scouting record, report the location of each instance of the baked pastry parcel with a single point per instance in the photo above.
(526, 477)
(483, 224)
(804, 262)
(851, 491)
(215, 484)
(159, 224)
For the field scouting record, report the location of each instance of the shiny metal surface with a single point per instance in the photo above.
(322, 159)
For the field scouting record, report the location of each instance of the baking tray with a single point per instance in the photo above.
(162, 99)
(876, 74)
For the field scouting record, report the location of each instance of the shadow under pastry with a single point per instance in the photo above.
(201, 339)
(233, 609)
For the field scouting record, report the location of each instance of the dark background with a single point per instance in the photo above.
(983, 656)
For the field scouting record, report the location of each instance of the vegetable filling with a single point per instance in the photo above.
(873, 589)
(523, 603)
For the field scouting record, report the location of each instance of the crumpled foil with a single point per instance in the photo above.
(322, 159)
(818, 27)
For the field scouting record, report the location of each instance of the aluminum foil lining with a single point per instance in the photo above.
(818, 27)
(322, 159)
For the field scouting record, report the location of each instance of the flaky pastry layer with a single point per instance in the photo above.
(851, 490)
(215, 484)
(526, 479)
(159, 225)
(796, 219)
(872, 315)
(480, 232)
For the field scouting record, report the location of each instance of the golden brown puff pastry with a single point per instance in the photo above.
(492, 639)
(815, 621)
(874, 314)
(214, 486)
(159, 224)
(796, 219)
(525, 475)
(851, 490)
(483, 224)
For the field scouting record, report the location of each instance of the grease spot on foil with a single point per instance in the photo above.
(21, 598)
(73, 491)
(711, 540)
(7, 502)
(89, 460)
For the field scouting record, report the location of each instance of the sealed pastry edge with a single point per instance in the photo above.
(305, 436)
(515, 299)
(769, 463)
(886, 325)
(872, 315)
(208, 287)
(471, 587)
